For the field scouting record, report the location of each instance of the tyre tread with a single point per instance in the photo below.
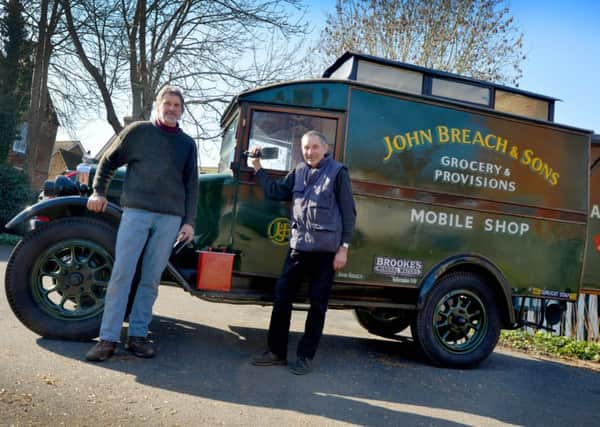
(12, 288)
(440, 357)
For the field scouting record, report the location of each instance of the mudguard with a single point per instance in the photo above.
(68, 206)
(59, 207)
(475, 264)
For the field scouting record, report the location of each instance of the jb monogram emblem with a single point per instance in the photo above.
(279, 231)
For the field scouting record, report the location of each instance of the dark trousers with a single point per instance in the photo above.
(317, 267)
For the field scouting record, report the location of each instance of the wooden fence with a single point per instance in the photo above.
(579, 321)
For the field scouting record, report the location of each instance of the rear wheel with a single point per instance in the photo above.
(459, 325)
(381, 321)
(56, 278)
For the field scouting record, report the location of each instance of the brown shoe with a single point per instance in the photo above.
(101, 351)
(140, 347)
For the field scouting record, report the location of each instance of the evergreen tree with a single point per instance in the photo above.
(15, 72)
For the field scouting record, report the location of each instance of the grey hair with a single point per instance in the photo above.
(170, 90)
(322, 138)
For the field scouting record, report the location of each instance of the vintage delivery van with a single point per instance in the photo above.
(469, 198)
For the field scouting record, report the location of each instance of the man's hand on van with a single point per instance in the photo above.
(97, 203)
(256, 159)
(340, 259)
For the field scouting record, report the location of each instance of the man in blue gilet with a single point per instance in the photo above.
(322, 223)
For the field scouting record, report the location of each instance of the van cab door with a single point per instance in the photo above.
(261, 231)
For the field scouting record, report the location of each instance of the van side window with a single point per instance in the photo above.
(461, 91)
(284, 131)
(228, 146)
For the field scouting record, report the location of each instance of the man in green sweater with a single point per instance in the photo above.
(159, 198)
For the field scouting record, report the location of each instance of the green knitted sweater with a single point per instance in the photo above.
(162, 171)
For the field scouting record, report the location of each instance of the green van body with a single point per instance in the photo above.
(462, 212)
(590, 282)
(434, 184)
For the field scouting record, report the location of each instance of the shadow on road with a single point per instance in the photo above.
(356, 380)
(364, 381)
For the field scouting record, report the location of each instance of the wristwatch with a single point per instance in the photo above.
(345, 245)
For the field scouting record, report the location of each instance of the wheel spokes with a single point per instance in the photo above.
(70, 279)
(460, 320)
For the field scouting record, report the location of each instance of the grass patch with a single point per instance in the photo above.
(551, 345)
(9, 239)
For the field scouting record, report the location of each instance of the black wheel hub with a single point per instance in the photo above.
(75, 279)
(460, 322)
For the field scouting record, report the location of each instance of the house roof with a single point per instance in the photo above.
(68, 145)
(70, 158)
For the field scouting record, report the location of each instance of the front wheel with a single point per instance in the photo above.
(56, 278)
(459, 325)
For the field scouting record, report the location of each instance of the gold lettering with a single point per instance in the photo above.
(443, 136)
(425, 135)
(526, 159)
(446, 134)
(501, 145)
(487, 140)
(455, 135)
(539, 166)
(388, 145)
(479, 140)
(466, 136)
(548, 171)
(412, 138)
(397, 146)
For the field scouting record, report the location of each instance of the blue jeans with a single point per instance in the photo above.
(317, 267)
(138, 228)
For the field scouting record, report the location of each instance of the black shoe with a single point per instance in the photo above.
(140, 347)
(302, 366)
(268, 359)
(101, 351)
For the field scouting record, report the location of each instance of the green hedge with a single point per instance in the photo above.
(15, 192)
(553, 345)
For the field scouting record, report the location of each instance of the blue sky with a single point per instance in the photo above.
(562, 44)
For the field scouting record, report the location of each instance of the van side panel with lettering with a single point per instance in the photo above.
(434, 182)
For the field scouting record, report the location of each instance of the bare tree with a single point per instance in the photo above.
(41, 117)
(131, 48)
(477, 38)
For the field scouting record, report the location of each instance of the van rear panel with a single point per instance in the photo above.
(591, 275)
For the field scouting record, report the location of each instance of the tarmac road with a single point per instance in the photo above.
(201, 376)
